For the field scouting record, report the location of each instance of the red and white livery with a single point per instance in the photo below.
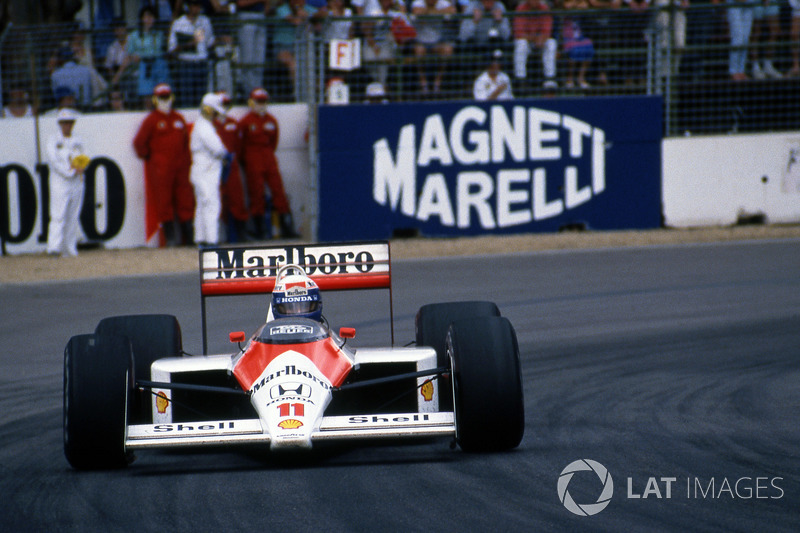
(294, 381)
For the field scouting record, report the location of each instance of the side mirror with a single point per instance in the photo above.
(347, 333)
(236, 336)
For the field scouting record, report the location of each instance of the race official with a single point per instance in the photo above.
(234, 207)
(208, 158)
(260, 135)
(67, 161)
(163, 143)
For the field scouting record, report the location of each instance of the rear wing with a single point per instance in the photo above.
(240, 270)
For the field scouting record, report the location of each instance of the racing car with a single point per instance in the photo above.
(294, 381)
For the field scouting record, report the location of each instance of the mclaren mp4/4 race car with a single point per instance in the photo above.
(295, 381)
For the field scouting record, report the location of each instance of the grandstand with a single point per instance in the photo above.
(683, 53)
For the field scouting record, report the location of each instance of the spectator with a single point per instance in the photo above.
(295, 22)
(740, 23)
(794, 33)
(376, 93)
(252, 15)
(576, 45)
(765, 20)
(634, 20)
(365, 7)
(146, 47)
(260, 136)
(669, 15)
(65, 98)
(339, 26)
(381, 43)
(77, 78)
(18, 104)
(493, 83)
(190, 39)
(117, 59)
(163, 143)
(219, 11)
(488, 21)
(208, 158)
(67, 161)
(701, 27)
(534, 32)
(432, 38)
(82, 52)
(233, 200)
(226, 54)
(602, 28)
(164, 11)
(116, 100)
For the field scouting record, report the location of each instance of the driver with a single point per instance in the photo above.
(295, 295)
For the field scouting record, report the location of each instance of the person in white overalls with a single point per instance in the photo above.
(208, 158)
(67, 162)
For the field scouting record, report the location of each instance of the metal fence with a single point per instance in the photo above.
(714, 76)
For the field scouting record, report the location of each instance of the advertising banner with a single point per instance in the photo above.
(469, 168)
(113, 212)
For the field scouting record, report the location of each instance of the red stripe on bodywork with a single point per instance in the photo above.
(325, 355)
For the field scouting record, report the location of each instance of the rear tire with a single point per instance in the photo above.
(97, 383)
(152, 337)
(431, 324)
(487, 384)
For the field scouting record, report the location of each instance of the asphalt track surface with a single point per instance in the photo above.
(663, 362)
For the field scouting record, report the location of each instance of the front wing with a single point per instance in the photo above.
(248, 431)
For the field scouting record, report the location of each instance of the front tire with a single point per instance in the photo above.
(487, 384)
(431, 325)
(151, 337)
(433, 320)
(97, 383)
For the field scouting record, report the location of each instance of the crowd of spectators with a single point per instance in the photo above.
(439, 47)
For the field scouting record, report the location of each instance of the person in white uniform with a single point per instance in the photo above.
(67, 162)
(493, 83)
(208, 157)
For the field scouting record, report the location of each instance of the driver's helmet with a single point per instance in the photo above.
(295, 295)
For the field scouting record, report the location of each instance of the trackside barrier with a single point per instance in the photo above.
(242, 270)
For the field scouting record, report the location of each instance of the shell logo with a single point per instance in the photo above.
(162, 402)
(290, 423)
(427, 390)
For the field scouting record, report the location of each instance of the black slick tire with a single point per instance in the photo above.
(97, 385)
(431, 324)
(152, 337)
(487, 384)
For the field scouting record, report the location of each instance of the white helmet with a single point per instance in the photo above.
(295, 295)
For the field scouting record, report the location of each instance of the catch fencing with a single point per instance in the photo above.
(709, 82)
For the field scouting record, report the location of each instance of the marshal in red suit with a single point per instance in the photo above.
(260, 135)
(163, 143)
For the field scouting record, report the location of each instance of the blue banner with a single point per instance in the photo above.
(464, 168)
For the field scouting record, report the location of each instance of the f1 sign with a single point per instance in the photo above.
(345, 54)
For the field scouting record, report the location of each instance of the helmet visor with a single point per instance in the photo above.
(296, 308)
